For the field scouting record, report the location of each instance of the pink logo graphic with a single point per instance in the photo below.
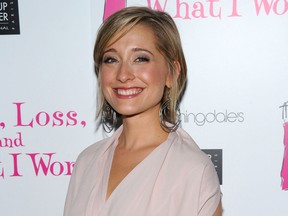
(284, 171)
(112, 6)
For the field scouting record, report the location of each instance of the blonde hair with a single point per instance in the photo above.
(167, 42)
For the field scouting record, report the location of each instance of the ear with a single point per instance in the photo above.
(173, 74)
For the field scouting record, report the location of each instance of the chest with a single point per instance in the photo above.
(123, 163)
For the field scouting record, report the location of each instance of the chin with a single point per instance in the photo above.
(128, 112)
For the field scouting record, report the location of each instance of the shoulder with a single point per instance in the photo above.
(93, 151)
(188, 152)
(190, 168)
(96, 150)
(193, 164)
(189, 162)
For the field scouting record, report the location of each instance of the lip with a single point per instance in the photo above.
(125, 93)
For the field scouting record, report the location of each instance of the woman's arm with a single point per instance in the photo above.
(218, 211)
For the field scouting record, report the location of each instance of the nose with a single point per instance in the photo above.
(125, 72)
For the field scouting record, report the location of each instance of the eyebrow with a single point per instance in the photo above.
(136, 49)
(109, 50)
(142, 50)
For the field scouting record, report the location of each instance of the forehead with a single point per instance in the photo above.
(139, 32)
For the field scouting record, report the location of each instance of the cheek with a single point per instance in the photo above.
(105, 78)
(104, 81)
(157, 76)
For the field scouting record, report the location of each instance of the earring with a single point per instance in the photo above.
(164, 112)
(108, 118)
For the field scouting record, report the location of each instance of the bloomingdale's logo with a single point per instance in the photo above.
(201, 119)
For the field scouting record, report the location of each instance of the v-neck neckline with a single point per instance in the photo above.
(128, 176)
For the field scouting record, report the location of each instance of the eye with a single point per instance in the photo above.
(109, 60)
(142, 59)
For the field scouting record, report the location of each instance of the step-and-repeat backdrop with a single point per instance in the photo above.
(235, 105)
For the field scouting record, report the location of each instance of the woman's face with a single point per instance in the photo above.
(133, 73)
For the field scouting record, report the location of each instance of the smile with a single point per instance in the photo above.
(128, 92)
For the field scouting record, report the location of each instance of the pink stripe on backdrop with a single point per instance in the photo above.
(112, 6)
(284, 171)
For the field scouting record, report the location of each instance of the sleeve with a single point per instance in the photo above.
(72, 188)
(77, 182)
(210, 193)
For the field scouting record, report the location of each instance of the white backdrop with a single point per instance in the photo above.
(237, 55)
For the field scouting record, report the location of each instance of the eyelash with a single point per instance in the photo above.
(142, 59)
(110, 60)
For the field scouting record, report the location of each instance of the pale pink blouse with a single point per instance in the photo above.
(175, 179)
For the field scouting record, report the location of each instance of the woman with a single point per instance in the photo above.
(149, 166)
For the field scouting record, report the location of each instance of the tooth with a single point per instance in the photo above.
(128, 91)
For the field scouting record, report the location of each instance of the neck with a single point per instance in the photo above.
(140, 131)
